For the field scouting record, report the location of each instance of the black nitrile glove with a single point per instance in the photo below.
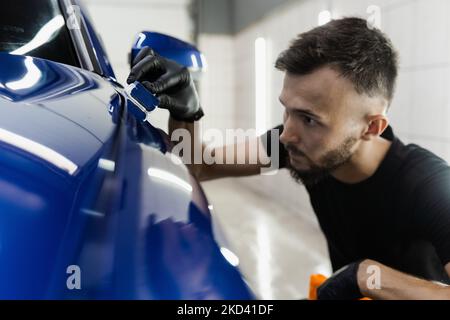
(170, 82)
(342, 285)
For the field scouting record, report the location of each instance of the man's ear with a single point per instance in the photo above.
(376, 126)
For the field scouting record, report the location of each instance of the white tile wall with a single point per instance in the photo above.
(217, 84)
(420, 112)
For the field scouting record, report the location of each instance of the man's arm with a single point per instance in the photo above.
(241, 151)
(176, 92)
(395, 285)
(373, 280)
(431, 216)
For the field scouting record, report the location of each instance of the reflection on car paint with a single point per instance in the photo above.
(84, 183)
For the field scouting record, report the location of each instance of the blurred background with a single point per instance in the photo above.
(268, 219)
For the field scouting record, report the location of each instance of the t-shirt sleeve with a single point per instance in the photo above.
(266, 140)
(432, 212)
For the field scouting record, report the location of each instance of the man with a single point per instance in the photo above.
(383, 206)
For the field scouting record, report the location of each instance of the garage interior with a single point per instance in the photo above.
(268, 220)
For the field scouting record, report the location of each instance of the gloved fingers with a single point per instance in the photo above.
(149, 64)
(167, 102)
(145, 51)
(166, 81)
(325, 292)
(342, 285)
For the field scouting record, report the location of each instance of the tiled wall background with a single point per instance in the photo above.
(217, 87)
(420, 112)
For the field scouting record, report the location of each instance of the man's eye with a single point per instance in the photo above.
(309, 121)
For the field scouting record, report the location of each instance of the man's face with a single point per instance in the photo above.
(323, 123)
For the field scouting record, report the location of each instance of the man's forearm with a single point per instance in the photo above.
(233, 160)
(396, 285)
(195, 142)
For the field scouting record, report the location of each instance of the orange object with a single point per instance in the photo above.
(315, 281)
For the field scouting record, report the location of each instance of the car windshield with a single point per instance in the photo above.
(36, 28)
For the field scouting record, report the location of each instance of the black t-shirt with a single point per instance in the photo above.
(400, 216)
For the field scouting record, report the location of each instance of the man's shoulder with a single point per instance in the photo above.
(419, 157)
(420, 165)
(412, 157)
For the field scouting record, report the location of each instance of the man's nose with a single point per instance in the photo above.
(289, 134)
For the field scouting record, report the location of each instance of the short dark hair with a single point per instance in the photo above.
(361, 54)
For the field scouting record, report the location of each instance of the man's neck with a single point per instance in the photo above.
(364, 162)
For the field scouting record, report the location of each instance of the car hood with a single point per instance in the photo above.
(56, 109)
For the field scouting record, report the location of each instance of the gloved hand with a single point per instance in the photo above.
(170, 82)
(342, 285)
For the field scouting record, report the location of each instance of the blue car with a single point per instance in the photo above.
(92, 205)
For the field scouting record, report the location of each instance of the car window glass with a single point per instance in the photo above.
(36, 28)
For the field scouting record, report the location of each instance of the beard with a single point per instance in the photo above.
(332, 160)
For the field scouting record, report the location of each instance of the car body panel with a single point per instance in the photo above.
(85, 185)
